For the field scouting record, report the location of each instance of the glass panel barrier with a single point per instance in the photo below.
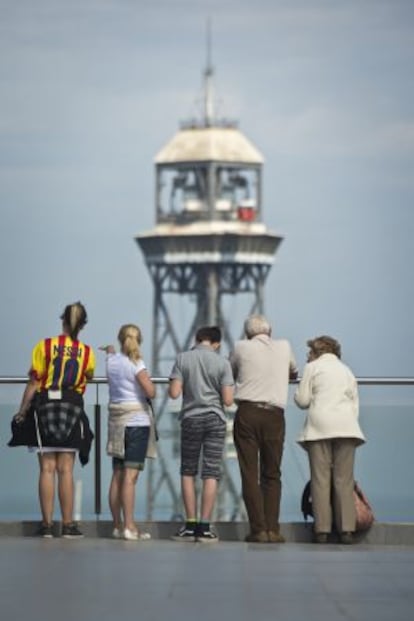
(384, 465)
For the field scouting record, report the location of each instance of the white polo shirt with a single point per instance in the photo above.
(261, 368)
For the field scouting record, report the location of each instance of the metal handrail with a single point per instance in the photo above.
(97, 381)
(363, 381)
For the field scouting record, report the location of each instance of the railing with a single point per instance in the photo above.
(98, 382)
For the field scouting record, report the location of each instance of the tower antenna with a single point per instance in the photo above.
(208, 82)
(209, 244)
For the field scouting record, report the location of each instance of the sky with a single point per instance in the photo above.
(91, 90)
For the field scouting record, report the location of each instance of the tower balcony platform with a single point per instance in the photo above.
(210, 242)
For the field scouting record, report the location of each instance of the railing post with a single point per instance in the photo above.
(98, 499)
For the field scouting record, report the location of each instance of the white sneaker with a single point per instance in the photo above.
(134, 535)
(117, 533)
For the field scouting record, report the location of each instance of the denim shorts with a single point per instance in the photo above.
(136, 444)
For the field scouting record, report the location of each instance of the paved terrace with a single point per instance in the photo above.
(100, 579)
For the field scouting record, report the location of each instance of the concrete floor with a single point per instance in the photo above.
(99, 579)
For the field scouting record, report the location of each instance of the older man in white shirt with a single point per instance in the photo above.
(262, 367)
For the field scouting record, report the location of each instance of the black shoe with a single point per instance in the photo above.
(71, 531)
(45, 531)
(346, 538)
(184, 534)
(206, 535)
(320, 538)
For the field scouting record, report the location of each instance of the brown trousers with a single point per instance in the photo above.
(259, 436)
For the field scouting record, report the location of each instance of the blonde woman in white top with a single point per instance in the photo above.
(331, 432)
(130, 387)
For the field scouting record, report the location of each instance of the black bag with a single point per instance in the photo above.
(306, 502)
(24, 431)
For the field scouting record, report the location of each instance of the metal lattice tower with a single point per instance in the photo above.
(209, 244)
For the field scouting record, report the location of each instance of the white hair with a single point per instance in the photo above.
(257, 324)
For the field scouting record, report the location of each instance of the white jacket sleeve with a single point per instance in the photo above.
(355, 398)
(303, 394)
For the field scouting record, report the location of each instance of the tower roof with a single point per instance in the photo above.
(211, 143)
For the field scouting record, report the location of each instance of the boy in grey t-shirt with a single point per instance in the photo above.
(205, 381)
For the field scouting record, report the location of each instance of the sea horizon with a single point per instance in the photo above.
(383, 469)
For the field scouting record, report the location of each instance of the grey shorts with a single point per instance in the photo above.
(202, 435)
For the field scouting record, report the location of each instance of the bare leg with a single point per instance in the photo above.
(208, 498)
(128, 497)
(189, 496)
(65, 462)
(47, 463)
(114, 496)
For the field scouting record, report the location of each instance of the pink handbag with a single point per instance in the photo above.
(364, 513)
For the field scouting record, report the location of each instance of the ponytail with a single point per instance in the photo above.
(75, 318)
(130, 339)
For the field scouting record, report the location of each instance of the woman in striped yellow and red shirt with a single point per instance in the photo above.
(61, 366)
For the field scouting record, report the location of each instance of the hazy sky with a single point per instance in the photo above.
(92, 89)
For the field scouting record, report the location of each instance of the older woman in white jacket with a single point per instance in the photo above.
(328, 389)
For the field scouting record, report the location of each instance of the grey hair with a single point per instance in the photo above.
(257, 324)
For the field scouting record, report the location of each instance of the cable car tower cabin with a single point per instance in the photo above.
(209, 241)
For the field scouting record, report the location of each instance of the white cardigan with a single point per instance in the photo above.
(329, 389)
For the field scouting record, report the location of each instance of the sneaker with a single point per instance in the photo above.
(206, 536)
(261, 537)
(71, 531)
(135, 535)
(45, 531)
(275, 537)
(184, 534)
(117, 533)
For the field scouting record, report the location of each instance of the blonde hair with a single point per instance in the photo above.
(74, 317)
(130, 338)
